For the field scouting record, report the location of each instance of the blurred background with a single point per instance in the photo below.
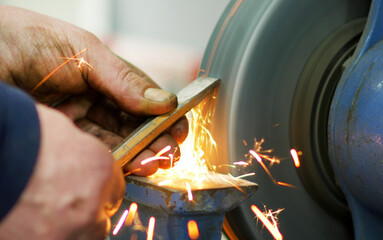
(164, 38)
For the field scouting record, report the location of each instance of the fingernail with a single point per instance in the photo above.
(158, 95)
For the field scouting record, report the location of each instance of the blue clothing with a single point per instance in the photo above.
(19, 144)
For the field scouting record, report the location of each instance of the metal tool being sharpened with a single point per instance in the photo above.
(154, 210)
(188, 98)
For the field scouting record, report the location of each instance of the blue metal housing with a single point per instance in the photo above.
(356, 130)
(172, 209)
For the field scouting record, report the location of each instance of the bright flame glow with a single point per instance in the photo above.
(190, 194)
(132, 213)
(272, 227)
(120, 222)
(295, 157)
(193, 229)
(197, 147)
(165, 182)
(150, 234)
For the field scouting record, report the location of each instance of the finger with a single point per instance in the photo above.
(179, 130)
(77, 107)
(160, 143)
(138, 169)
(106, 114)
(109, 138)
(115, 191)
(128, 87)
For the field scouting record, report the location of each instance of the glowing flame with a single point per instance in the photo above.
(295, 157)
(150, 234)
(271, 226)
(197, 147)
(132, 212)
(193, 230)
(120, 222)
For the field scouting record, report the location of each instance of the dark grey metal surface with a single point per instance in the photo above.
(259, 50)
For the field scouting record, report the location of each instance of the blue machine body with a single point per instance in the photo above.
(172, 209)
(356, 130)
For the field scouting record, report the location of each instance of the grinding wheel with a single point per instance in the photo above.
(279, 62)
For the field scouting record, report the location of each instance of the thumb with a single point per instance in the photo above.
(130, 89)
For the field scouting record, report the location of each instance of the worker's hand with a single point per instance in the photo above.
(74, 189)
(105, 95)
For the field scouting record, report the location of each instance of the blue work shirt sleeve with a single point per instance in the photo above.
(19, 144)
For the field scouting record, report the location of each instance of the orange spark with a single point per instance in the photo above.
(151, 159)
(242, 163)
(120, 222)
(273, 229)
(131, 172)
(286, 184)
(238, 188)
(152, 222)
(246, 175)
(244, 142)
(259, 159)
(193, 229)
(82, 63)
(190, 194)
(295, 157)
(56, 69)
(132, 212)
(164, 150)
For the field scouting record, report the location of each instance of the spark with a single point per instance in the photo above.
(164, 150)
(151, 159)
(120, 222)
(295, 157)
(245, 175)
(286, 184)
(190, 194)
(171, 156)
(265, 154)
(193, 229)
(259, 159)
(132, 171)
(241, 163)
(56, 69)
(152, 222)
(82, 63)
(272, 227)
(244, 142)
(238, 188)
(165, 182)
(132, 213)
